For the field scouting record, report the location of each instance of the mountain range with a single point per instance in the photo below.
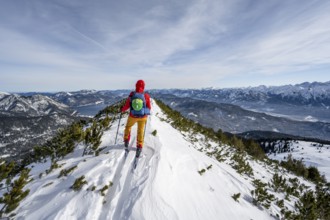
(292, 111)
(303, 102)
(83, 97)
(235, 119)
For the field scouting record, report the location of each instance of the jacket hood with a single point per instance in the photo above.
(139, 86)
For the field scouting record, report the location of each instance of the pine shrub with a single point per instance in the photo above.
(54, 165)
(106, 187)
(79, 183)
(240, 165)
(102, 191)
(66, 172)
(6, 169)
(236, 196)
(307, 206)
(12, 198)
(278, 183)
(299, 168)
(201, 172)
(323, 200)
(62, 144)
(106, 122)
(93, 138)
(280, 203)
(260, 195)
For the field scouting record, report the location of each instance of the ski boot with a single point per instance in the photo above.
(138, 152)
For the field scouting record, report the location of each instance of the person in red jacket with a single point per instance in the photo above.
(139, 104)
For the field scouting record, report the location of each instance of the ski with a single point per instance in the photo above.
(137, 156)
(126, 152)
(135, 162)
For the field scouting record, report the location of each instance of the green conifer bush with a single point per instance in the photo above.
(79, 183)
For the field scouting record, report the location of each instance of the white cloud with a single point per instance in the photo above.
(21, 50)
(172, 43)
(300, 42)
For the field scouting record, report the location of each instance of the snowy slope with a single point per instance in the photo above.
(312, 154)
(165, 185)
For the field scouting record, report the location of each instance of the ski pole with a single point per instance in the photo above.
(118, 128)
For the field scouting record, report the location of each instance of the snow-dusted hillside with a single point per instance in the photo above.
(174, 180)
(312, 154)
(30, 106)
(27, 121)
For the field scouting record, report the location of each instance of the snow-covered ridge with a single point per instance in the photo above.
(167, 184)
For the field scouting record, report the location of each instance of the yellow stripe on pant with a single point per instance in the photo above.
(140, 132)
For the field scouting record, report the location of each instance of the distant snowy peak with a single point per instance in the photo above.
(316, 94)
(59, 94)
(2, 94)
(306, 89)
(87, 91)
(85, 97)
(36, 105)
(80, 92)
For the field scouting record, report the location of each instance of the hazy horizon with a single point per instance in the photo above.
(132, 87)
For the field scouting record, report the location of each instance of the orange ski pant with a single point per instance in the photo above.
(141, 122)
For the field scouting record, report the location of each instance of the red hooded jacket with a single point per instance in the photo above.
(139, 87)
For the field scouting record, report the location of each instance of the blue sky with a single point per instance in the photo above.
(67, 45)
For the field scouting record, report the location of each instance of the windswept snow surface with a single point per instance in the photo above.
(165, 185)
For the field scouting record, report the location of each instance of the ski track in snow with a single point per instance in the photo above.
(131, 184)
(114, 193)
(156, 204)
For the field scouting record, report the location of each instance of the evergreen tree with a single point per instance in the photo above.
(6, 168)
(254, 149)
(278, 182)
(79, 183)
(307, 206)
(323, 200)
(12, 198)
(106, 122)
(237, 143)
